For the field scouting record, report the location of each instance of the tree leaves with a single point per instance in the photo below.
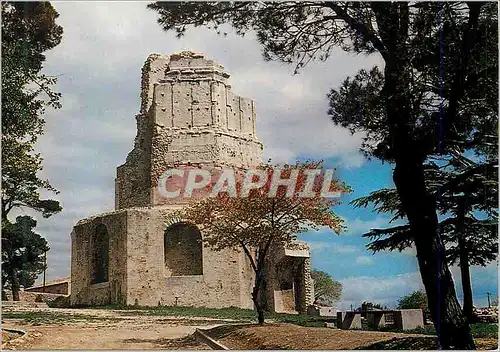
(28, 30)
(259, 219)
(22, 252)
(415, 300)
(326, 290)
(459, 180)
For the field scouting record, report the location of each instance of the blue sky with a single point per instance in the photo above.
(384, 276)
(98, 65)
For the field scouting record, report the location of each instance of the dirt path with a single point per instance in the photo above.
(91, 336)
(107, 329)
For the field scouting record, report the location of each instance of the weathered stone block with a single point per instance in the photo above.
(349, 320)
(376, 319)
(408, 319)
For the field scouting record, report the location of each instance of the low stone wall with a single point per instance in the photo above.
(321, 311)
(32, 296)
(61, 288)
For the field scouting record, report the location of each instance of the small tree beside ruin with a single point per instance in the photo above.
(263, 219)
(326, 289)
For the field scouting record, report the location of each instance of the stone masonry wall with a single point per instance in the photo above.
(183, 250)
(189, 115)
(114, 290)
(26, 296)
(149, 283)
(133, 184)
(60, 288)
(308, 282)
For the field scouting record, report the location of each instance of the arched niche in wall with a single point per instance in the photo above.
(100, 255)
(183, 249)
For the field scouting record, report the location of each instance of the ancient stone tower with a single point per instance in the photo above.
(138, 254)
(189, 115)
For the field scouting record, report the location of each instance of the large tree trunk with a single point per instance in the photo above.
(14, 285)
(259, 306)
(258, 293)
(466, 281)
(451, 326)
(464, 260)
(409, 153)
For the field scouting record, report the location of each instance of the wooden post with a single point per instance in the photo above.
(44, 270)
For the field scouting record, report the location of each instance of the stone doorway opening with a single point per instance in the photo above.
(183, 250)
(289, 289)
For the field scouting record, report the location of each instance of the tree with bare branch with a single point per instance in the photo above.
(261, 221)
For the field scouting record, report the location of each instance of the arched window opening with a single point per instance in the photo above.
(100, 255)
(183, 250)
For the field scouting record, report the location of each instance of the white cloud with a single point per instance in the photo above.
(359, 226)
(388, 290)
(332, 247)
(364, 260)
(383, 290)
(339, 248)
(411, 251)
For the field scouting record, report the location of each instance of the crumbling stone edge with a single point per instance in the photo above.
(23, 332)
(214, 344)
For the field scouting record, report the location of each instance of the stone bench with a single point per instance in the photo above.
(404, 319)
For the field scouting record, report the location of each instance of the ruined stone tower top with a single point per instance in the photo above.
(183, 66)
(189, 115)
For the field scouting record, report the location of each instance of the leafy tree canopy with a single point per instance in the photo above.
(28, 30)
(22, 254)
(415, 300)
(260, 223)
(326, 290)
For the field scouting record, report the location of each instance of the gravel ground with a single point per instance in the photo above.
(110, 330)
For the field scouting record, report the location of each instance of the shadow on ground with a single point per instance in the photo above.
(406, 343)
(219, 332)
(185, 343)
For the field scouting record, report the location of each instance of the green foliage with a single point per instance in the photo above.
(415, 300)
(365, 306)
(44, 317)
(300, 32)
(258, 223)
(472, 189)
(326, 290)
(288, 32)
(220, 313)
(237, 314)
(471, 193)
(28, 30)
(20, 181)
(22, 253)
(485, 330)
